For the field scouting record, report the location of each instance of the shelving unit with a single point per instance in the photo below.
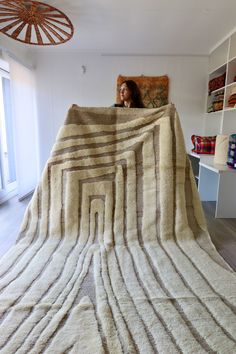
(222, 60)
(218, 182)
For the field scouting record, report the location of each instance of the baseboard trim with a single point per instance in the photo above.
(26, 196)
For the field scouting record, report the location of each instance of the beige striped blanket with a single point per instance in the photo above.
(113, 254)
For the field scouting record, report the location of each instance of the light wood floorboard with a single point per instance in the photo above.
(222, 231)
(223, 234)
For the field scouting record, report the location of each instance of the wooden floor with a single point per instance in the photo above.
(223, 234)
(222, 231)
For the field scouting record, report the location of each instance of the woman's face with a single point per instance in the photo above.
(125, 93)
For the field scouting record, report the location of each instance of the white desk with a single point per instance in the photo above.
(217, 183)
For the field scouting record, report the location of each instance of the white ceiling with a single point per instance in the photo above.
(148, 27)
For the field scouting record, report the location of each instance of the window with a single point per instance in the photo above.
(7, 156)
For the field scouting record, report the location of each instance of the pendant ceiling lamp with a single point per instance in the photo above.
(34, 22)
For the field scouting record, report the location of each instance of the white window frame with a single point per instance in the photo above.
(7, 190)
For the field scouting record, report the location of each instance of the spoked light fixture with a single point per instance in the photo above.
(34, 22)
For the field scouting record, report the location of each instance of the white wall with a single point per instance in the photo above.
(61, 82)
(16, 49)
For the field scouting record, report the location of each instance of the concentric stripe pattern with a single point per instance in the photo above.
(113, 254)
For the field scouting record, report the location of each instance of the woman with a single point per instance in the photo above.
(130, 95)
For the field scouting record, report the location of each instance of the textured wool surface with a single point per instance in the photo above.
(113, 255)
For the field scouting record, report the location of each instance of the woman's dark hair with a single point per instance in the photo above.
(135, 94)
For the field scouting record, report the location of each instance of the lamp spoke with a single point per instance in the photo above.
(47, 34)
(2, 14)
(28, 33)
(8, 19)
(59, 22)
(54, 32)
(18, 30)
(7, 9)
(11, 25)
(56, 27)
(38, 35)
(13, 4)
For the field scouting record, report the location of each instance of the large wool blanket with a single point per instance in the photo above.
(113, 254)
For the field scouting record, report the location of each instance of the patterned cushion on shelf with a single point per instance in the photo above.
(154, 89)
(203, 144)
(232, 100)
(217, 83)
(217, 105)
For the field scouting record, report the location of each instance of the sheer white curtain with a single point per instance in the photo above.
(25, 127)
